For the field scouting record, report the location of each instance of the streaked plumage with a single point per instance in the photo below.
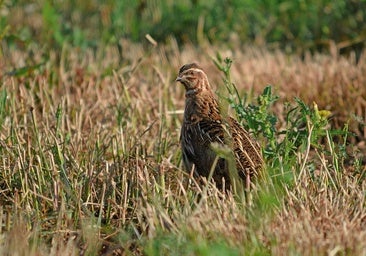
(203, 124)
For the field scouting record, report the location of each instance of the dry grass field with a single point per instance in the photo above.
(91, 164)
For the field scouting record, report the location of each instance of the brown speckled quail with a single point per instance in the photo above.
(203, 124)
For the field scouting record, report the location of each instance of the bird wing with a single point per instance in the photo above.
(194, 136)
(246, 149)
(196, 139)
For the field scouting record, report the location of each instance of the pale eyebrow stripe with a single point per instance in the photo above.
(194, 69)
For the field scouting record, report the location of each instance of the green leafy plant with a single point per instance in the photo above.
(305, 126)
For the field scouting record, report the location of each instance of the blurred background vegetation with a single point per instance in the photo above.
(294, 25)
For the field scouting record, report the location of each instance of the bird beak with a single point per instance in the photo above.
(178, 79)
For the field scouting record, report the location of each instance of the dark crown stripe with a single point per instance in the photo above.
(189, 66)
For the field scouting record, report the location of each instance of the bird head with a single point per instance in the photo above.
(193, 78)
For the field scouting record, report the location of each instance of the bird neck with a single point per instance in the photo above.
(191, 93)
(199, 86)
(202, 104)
